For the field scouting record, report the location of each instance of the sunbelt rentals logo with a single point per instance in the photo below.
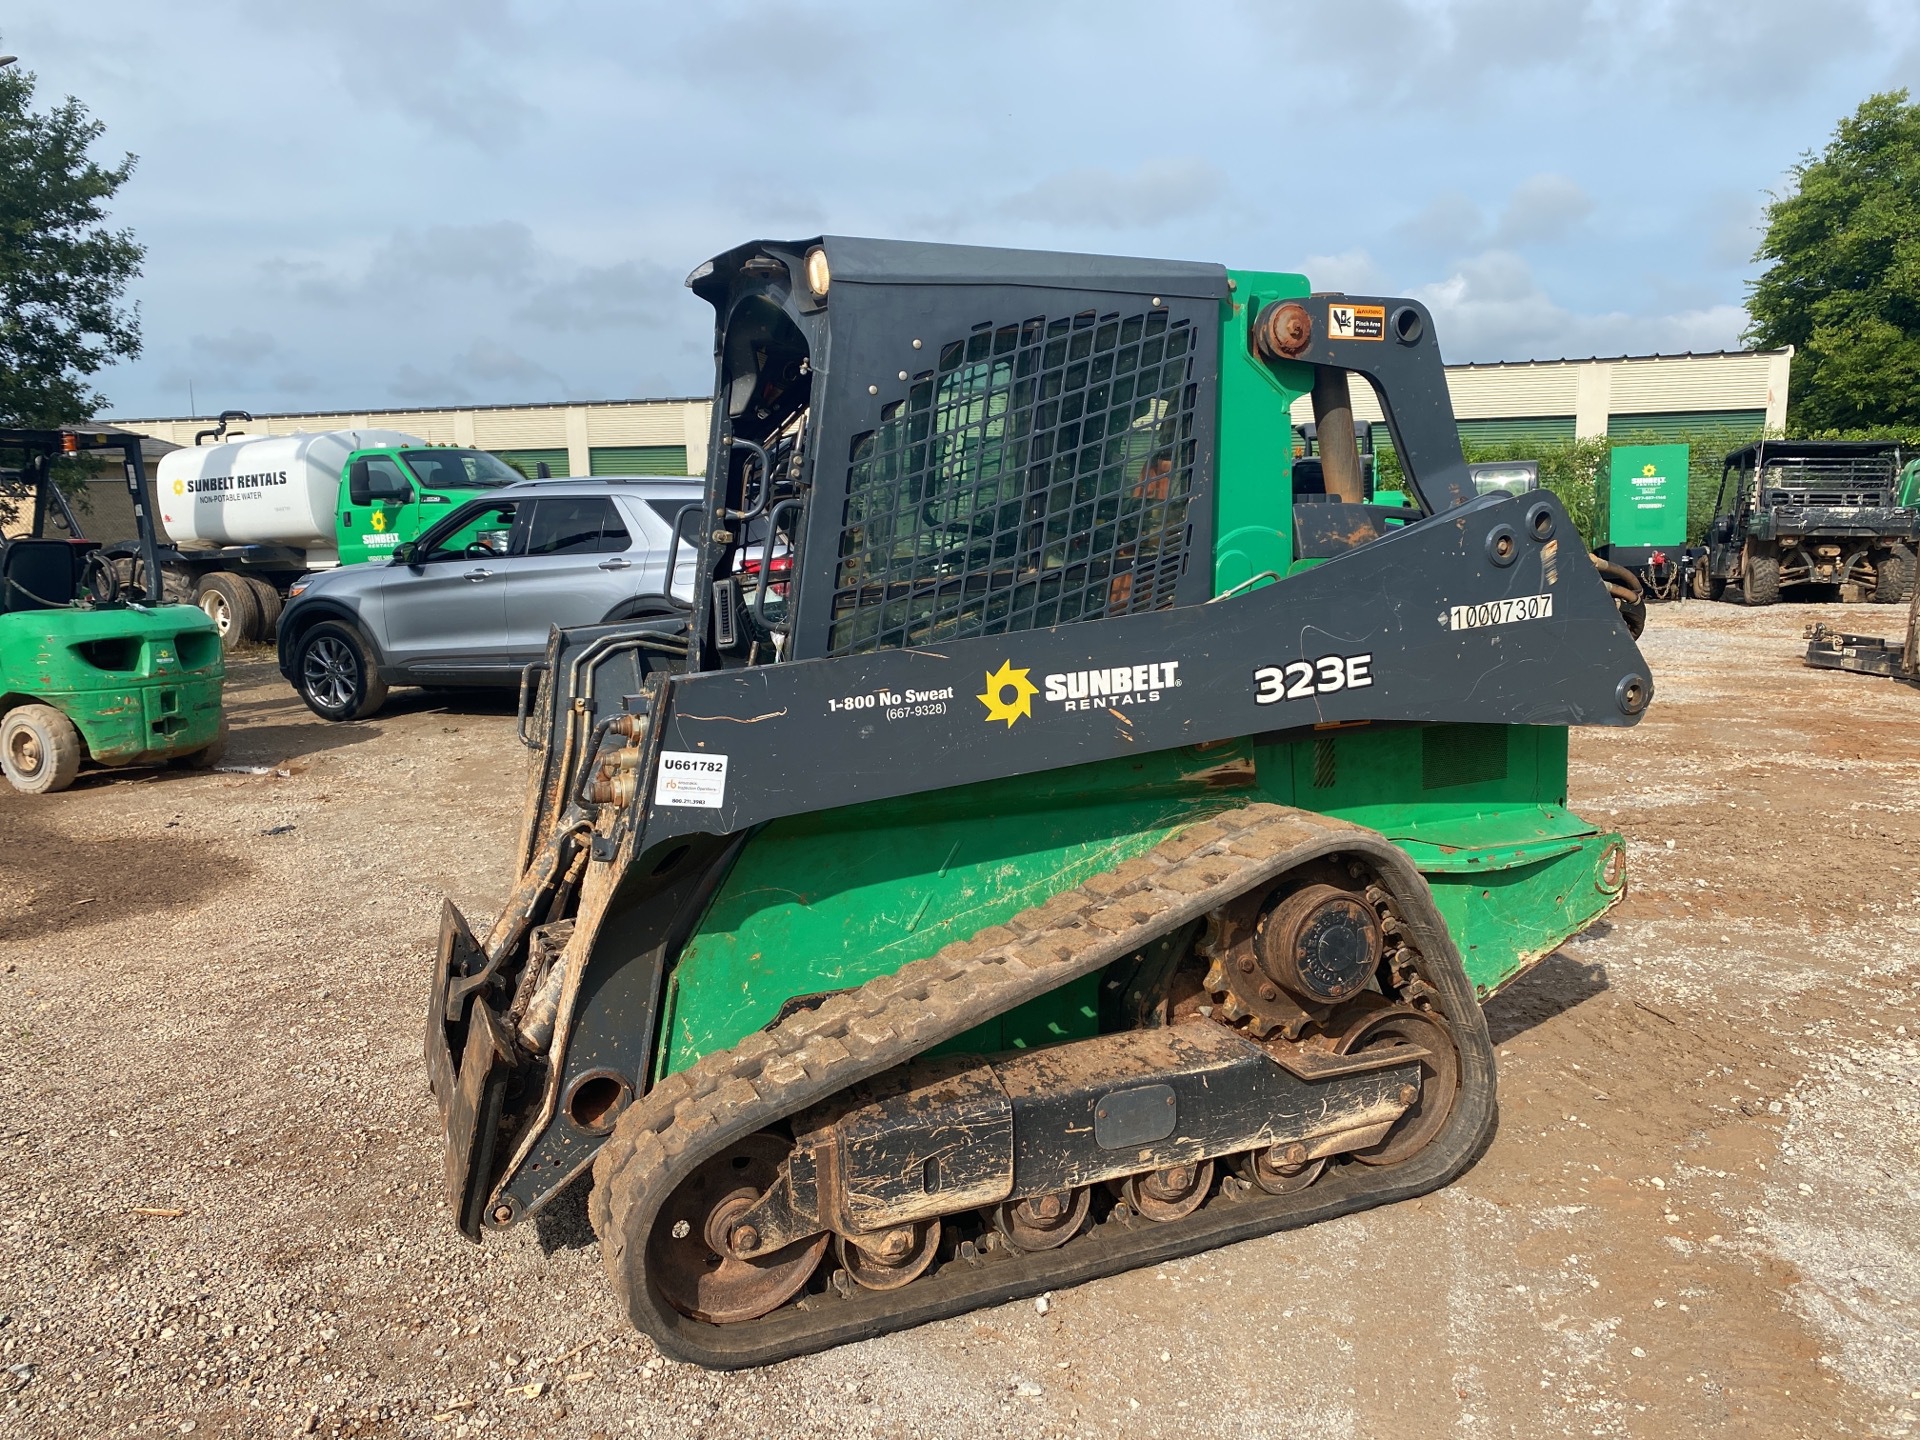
(1009, 694)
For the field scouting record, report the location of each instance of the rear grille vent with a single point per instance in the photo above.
(1325, 763)
(1040, 475)
(1453, 755)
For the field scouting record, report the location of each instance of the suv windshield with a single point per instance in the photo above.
(460, 469)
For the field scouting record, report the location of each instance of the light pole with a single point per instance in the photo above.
(6, 60)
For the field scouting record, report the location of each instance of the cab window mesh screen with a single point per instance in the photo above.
(1040, 475)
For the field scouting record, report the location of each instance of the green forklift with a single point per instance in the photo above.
(94, 666)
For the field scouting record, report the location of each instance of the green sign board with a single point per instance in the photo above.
(1647, 495)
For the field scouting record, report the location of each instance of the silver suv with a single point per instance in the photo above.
(472, 600)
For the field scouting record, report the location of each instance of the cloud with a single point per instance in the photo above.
(235, 348)
(1351, 271)
(600, 297)
(1447, 224)
(445, 64)
(1493, 308)
(1541, 210)
(488, 362)
(1094, 197)
(501, 254)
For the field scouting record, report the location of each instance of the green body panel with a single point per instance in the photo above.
(1254, 534)
(370, 532)
(138, 684)
(1909, 496)
(827, 901)
(1646, 495)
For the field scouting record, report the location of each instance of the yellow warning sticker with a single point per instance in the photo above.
(1356, 322)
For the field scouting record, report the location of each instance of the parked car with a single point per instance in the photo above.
(471, 602)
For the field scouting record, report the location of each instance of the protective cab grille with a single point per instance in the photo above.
(1041, 475)
(1875, 498)
(1840, 480)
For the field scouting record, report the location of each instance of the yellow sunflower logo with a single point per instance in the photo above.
(179, 487)
(1649, 471)
(999, 682)
(379, 519)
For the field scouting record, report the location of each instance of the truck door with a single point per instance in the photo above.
(444, 613)
(378, 508)
(581, 560)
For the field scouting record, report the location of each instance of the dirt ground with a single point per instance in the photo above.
(219, 1163)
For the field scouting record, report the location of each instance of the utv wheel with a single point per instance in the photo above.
(336, 673)
(207, 756)
(1893, 576)
(39, 749)
(270, 605)
(232, 606)
(1760, 581)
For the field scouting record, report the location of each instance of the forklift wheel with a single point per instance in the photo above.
(40, 749)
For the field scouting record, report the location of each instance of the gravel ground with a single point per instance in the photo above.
(1700, 1216)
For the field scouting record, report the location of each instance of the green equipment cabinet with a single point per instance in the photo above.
(94, 667)
(1643, 516)
(1095, 848)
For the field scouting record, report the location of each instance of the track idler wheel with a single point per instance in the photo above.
(1043, 1222)
(891, 1258)
(1170, 1194)
(1280, 1169)
(1439, 1077)
(692, 1250)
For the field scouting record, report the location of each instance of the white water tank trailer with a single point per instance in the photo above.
(278, 490)
(249, 516)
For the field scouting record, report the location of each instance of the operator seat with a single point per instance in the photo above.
(38, 575)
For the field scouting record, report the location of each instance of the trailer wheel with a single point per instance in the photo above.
(1760, 578)
(337, 675)
(270, 604)
(39, 749)
(230, 603)
(1893, 575)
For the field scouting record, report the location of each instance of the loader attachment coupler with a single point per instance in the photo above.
(1051, 844)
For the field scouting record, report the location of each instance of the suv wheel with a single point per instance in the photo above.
(335, 673)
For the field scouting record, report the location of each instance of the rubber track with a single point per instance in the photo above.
(774, 1073)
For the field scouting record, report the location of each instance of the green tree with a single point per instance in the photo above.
(63, 272)
(1843, 282)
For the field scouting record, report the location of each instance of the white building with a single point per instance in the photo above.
(1648, 397)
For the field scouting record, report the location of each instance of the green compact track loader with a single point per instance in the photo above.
(1049, 844)
(93, 667)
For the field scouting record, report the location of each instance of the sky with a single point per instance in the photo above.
(375, 203)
